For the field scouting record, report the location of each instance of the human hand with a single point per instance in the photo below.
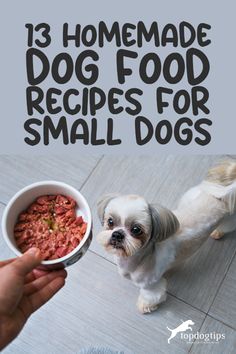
(24, 289)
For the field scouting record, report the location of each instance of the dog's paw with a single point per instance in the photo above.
(145, 307)
(217, 234)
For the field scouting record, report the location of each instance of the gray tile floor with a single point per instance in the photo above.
(97, 307)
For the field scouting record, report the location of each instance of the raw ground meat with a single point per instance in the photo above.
(50, 224)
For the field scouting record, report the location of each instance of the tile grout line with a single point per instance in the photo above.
(217, 320)
(190, 349)
(185, 302)
(207, 312)
(99, 255)
(91, 172)
(82, 184)
(218, 289)
(224, 323)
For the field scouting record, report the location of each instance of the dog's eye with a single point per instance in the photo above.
(110, 222)
(136, 230)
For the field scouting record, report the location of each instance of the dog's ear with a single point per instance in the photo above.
(102, 204)
(164, 222)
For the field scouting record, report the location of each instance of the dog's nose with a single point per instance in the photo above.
(117, 236)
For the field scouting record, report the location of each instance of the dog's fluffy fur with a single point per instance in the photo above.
(165, 237)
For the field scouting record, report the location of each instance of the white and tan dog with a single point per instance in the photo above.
(149, 241)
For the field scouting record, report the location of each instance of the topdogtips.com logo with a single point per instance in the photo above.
(197, 337)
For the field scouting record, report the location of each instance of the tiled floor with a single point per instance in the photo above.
(97, 307)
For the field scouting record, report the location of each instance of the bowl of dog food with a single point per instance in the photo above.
(52, 216)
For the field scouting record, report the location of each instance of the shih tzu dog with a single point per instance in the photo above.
(148, 241)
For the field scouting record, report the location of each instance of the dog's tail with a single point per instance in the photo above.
(169, 329)
(221, 183)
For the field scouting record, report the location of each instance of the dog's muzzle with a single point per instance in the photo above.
(116, 238)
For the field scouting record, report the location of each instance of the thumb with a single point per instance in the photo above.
(27, 262)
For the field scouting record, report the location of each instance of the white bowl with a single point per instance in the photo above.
(22, 199)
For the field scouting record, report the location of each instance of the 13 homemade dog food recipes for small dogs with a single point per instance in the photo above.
(50, 223)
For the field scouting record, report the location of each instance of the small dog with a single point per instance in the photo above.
(148, 241)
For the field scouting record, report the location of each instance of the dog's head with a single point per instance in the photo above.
(130, 223)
